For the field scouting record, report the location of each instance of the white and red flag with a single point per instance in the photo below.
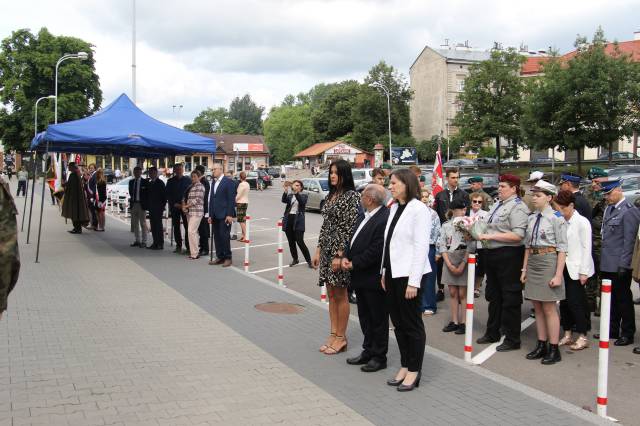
(437, 181)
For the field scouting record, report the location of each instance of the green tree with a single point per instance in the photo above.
(332, 110)
(427, 148)
(287, 130)
(492, 100)
(214, 121)
(27, 72)
(247, 113)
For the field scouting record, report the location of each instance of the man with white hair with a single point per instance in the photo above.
(362, 256)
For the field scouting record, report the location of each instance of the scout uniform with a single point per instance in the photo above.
(487, 201)
(533, 178)
(9, 255)
(503, 263)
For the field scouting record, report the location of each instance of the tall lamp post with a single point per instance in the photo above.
(82, 56)
(384, 88)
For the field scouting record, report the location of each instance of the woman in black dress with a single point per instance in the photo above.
(339, 215)
(293, 221)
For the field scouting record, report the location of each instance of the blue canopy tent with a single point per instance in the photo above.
(120, 129)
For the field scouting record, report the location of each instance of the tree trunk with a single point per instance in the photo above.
(498, 153)
(610, 157)
(579, 157)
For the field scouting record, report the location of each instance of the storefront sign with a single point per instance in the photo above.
(248, 147)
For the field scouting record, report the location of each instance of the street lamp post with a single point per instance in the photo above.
(386, 92)
(82, 56)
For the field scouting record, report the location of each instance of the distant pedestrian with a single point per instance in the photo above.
(51, 181)
(242, 204)
(203, 229)
(429, 304)
(118, 174)
(222, 209)
(194, 209)
(138, 188)
(175, 190)
(9, 254)
(91, 195)
(101, 199)
(157, 202)
(74, 204)
(23, 179)
(293, 221)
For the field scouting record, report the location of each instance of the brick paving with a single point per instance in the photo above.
(99, 333)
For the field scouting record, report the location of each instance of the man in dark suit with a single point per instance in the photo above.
(157, 200)
(176, 187)
(222, 206)
(571, 182)
(92, 190)
(138, 198)
(363, 256)
(203, 229)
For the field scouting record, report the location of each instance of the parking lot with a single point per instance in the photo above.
(574, 379)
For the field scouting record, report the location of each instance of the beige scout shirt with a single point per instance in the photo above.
(510, 215)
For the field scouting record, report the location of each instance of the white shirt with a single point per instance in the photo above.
(137, 189)
(215, 185)
(579, 260)
(367, 216)
(294, 205)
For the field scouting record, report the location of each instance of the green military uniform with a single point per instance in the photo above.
(598, 205)
(9, 256)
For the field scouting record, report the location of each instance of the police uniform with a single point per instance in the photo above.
(503, 263)
(9, 255)
(619, 230)
(581, 205)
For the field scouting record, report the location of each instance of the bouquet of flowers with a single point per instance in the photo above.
(471, 227)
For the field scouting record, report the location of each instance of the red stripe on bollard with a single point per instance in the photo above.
(604, 345)
(602, 401)
(471, 260)
(247, 241)
(280, 250)
(469, 305)
(279, 223)
(605, 288)
(280, 277)
(468, 348)
(248, 217)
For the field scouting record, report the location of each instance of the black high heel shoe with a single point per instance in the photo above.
(394, 382)
(415, 384)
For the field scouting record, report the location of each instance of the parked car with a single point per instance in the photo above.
(274, 172)
(109, 175)
(361, 176)
(544, 160)
(490, 182)
(256, 180)
(317, 190)
(485, 162)
(631, 187)
(120, 188)
(265, 178)
(460, 163)
(618, 155)
(623, 170)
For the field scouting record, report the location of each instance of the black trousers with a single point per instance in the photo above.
(374, 323)
(407, 322)
(296, 237)
(93, 214)
(504, 292)
(22, 187)
(203, 233)
(155, 220)
(574, 311)
(222, 239)
(77, 225)
(623, 320)
(440, 263)
(176, 215)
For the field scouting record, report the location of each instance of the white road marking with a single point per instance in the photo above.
(273, 269)
(491, 350)
(270, 244)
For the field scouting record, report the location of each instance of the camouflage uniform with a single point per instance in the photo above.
(9, 256)
(598, 204)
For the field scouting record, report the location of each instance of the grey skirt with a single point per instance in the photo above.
(540, 269)
(447, 277)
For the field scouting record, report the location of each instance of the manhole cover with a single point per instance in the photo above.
(280, 308)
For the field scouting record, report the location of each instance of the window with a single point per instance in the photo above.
(460, 85)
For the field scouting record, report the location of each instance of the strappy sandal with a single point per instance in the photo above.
(326, 346)
(333, 351)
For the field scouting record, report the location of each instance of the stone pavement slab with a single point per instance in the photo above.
(100, 333)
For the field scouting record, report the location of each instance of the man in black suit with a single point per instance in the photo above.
(156, 204)
(571, 182)
(138, 188)
(363, 256)
(203, 229)
(93, 190)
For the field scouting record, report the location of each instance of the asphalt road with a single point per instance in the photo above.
(574, 379)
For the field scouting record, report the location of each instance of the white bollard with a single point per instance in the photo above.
(280, 255)
(468, 334)
(323, 294)
(246, 244)
(126, 206)
(603, 352)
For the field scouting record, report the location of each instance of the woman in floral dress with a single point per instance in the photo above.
(339, 215)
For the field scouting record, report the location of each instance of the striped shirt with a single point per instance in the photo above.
(195, 200)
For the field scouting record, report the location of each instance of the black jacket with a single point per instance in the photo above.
(583, 207)
(157, 196)
(366, 251)
(175, 190)
(144, 188)
(442, 201)
(207, 188)
(299, 222)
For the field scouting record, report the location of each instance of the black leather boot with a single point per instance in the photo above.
(553, 355)
(540, 351)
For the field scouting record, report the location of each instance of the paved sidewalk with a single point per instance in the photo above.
(100, 333)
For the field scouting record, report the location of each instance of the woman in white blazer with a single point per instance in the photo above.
(574, 311)
(404, 263)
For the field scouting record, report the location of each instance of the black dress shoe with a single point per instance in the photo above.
(452, 326)
(234, 237)
(597, 336)
(352, 299)
(293, 263)
(623, 341)
(142, 245)
(552, 356)
(136, 244)
(636, 350)
(151, 247)
(636, 301)
(440, 296)
(358, 360)
(507, 346)
(394, 382)
(75, 231)
(539, 352)
(415, 384)
(373, 365)
(487, 339)
(462, 328)
(178, 249)
(157, 248)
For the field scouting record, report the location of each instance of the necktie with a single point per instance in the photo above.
(495, 211)
(536, 230)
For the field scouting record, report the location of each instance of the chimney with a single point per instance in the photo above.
(636, 35)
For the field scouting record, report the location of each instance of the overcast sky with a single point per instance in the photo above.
(202, 54)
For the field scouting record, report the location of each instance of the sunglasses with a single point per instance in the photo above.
(477, 201)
